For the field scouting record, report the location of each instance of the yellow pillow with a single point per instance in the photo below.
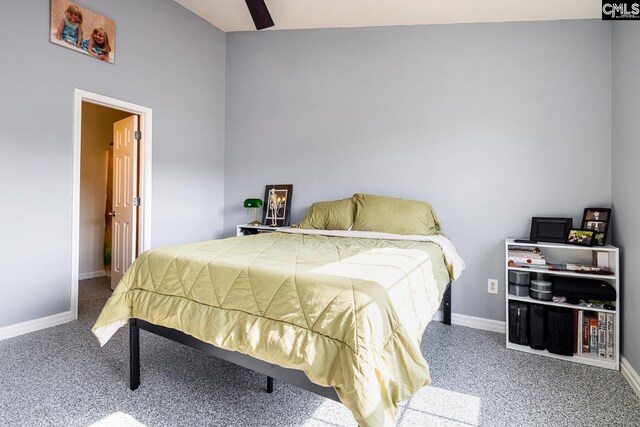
(336, 215)
(392, 215)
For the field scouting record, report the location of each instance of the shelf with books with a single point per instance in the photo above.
(555, 255)
(596, 335)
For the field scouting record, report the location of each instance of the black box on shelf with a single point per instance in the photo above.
(518, 322)
(519, 277)
(537, 326)
(519, 290)
(576, 289)
(560, 331)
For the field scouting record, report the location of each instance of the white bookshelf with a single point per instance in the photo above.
(557, 253)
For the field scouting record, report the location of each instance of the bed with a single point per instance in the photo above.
(340, 313)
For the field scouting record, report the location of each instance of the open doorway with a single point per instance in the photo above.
(111, 186)
(96, 189)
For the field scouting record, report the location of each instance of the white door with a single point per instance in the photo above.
(125, 190)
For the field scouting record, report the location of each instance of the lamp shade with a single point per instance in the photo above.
(252, 203)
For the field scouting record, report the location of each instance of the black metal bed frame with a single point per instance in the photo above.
(291, 376)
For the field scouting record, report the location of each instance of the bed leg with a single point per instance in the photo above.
(134, 355)
(447, 305)
(269, 385)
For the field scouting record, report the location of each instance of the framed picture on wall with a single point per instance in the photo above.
(598, 220)
(83, 30)
(277, 205)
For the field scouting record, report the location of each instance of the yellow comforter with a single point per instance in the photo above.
(349, 312)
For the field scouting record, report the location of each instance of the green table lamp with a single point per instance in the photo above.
(255, 204)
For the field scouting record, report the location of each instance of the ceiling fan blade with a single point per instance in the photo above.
(259, 14)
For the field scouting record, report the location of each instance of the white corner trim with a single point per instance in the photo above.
(92, 275)
(473, 322)
(630, 374)
(35, 325)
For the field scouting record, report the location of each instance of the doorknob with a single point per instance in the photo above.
(112, 213)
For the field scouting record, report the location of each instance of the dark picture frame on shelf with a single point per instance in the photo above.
(277, 205)
(581, 237)
(597, 219)
(545, 229)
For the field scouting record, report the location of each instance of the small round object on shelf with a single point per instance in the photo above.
(541, 295)
(541, 285)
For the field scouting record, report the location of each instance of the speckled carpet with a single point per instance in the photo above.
(61, 377)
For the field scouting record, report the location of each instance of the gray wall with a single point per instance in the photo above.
(626, 177)
(167, 59)
(491, 123)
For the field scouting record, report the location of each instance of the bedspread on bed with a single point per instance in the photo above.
(349, 312)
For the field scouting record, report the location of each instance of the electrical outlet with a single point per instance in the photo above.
(492, 286)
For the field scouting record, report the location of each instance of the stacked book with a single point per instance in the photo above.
(597, 334)
(525, 256)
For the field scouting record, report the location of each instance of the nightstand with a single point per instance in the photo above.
(246, 230)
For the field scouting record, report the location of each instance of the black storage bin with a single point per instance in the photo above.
(518, 322)
(576, 289)
(560, 336)
(537, 326)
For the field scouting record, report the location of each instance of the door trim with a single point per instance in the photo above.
(144, 226)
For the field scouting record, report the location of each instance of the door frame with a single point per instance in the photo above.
(144, 173)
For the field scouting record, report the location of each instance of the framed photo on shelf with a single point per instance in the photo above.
(581, 237)
(544, 229)
(598, 220)
(277, 205)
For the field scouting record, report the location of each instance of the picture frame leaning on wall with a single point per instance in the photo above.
(598, 220)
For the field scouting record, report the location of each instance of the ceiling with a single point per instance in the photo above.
(233, 15)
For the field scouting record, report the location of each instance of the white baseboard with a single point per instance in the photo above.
(34, 325)
(91, 275)
(630, 374)
(473, 322)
